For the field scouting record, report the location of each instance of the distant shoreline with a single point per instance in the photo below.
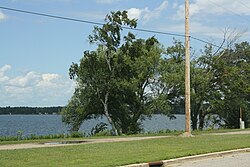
(30, 110)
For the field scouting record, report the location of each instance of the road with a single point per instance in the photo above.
(232, 160)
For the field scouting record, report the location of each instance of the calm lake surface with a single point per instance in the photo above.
(52, 124)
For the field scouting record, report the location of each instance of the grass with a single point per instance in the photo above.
(168, 133)
(121, 153)
(4, 142)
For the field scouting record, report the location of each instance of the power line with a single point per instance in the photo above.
(206, 42)
(100, 24)
(51, 16)
(229, 10)
(88, 22)
(243, 4)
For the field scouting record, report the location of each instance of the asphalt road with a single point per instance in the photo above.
(233, 160)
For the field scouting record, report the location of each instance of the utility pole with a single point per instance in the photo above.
(187, 71)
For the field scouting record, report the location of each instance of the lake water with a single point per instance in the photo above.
(52, 124)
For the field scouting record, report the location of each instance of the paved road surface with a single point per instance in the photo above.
(233, 160)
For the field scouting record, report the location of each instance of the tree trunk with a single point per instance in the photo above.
(194, 122)
(201, 121)
(105, 105)
(194, 117)
(202, 115)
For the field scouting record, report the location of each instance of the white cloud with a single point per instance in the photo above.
(145, 14)
(135, 13)
(215, 7)
(29, 79)
(198, 29)
(2, 16)
(34, 89)
(48, 81)
(17, 91)
(3, 69)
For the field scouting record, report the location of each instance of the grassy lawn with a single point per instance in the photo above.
(176, 133)
(173, 133)
(121, 153)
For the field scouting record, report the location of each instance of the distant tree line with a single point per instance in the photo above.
(30, 110)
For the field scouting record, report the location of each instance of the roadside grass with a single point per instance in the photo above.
(122, 153)
(168, 133)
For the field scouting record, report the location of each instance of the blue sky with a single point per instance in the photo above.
(36, 52)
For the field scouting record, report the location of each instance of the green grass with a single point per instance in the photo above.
(170, 133)
(174, 133)
(121, 153)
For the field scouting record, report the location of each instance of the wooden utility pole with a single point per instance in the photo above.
(187, 70)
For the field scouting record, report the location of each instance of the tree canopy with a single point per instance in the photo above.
(127, 78)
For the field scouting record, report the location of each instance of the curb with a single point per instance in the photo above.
(188, 158)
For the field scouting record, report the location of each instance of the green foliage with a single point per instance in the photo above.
(130, 79)
(99, 128)
(117, 80)
(219, 83)
(74, 114)
(8, 138)
(19, 135)
(22, 137)
(109, 34)
(76, 135)
(232, 77)
(103, 133)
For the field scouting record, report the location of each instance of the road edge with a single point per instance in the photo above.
(189, 158)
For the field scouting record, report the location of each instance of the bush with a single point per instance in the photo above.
(104, 133)
(8, 138)
(77, 134)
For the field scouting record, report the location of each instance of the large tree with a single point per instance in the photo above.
(232, 78)
(95, 75)
(116, 80)
(126, 79)
(203, 90)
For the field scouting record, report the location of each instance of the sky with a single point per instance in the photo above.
(36, 52)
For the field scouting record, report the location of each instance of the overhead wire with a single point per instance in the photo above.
(51, 16)
(229, 10)
(243, 4)
(88, 22)
(100, 24)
